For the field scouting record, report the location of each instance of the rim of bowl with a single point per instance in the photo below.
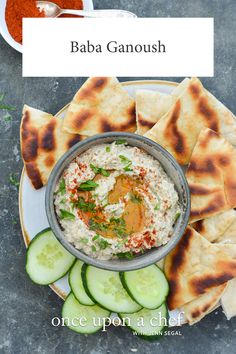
(150, 257)
(87, 5)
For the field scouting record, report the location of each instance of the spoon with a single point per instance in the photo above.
(52, 10)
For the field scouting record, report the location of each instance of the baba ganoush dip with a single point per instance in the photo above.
(116, 200)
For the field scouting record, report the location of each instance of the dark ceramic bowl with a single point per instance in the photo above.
(170, 166)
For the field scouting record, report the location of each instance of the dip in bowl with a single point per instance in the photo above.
(118, 201)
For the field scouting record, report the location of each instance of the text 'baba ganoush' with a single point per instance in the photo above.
(115, 200)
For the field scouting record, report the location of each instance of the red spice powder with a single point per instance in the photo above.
(16, 10)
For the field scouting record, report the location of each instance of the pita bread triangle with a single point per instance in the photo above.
(152, 105)
(211, 176)
(195, 267)
(101, 105)
(195, 109)
(43, 142)
(215, 226)
(228, 299)
(198, 308)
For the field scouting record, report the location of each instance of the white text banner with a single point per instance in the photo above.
(118, 47)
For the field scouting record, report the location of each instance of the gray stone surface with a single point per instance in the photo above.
(26, 309)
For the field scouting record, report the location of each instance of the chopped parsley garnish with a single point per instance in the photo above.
(103, 244)
(118, 226)
(120, 142)
(7, 118)
(127, 161)
(88, 186)
(128, 255)
(95, 237)
(13, 180)
(124, 159)
(7, 107)
(62, 186)
(108, 149)
(97, 225)
(127, 168)
(85, 206)
(66, 215)
(177, 215)
(135, 198)
(94, 248)
(99, 170)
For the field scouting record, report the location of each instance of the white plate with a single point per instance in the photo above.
(31, 202)
(87, 5)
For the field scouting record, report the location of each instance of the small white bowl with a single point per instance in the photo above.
(87, 5)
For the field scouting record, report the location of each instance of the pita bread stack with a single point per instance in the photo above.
(195, 109)
(211, 176)
(101, 105)
(195, 268)
(43, 142)
(198, 308)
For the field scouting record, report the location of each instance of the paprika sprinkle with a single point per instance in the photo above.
(16, 10)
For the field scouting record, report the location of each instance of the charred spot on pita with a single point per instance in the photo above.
(199, 226)
(194, 90)
(74, 140)
(144, 123)
(106, 126)
(172, 132)
(173, 290)
(203, 284)
(198, 189)
(48, 137)
(208, 113)
(206, 166)
(213, 206)
(224, 160)
(30, 149)
(81, 118)
(49, 161)
(34, 175)
(179, 256)
(196, 313)
(98, 83)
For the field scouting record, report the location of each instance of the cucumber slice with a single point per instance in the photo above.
(105, 288)
(147, 324)
(76, 284)
(147, 286)
(46, 259)
(81, 318)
